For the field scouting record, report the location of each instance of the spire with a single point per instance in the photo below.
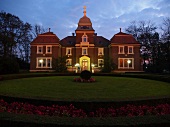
(84, 11)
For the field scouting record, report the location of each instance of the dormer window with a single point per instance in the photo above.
(84, 38)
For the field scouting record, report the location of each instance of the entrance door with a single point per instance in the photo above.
(84, 65)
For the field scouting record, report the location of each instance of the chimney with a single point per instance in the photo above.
(95, 34)
(49, 29)
(120, 29)
(72, 34)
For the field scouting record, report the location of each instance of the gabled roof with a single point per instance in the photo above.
(101, 41)
(123, 38)
(48, 37)
(68, 41)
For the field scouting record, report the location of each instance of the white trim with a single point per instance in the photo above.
(84, 37)
(46, 62)
(132, 50)
(69, 62)
(47, 49)
(132, 61)
(39, 46)
(86, 50)
(102, 51)
(67, 51)
(123, 50)
(99, 62)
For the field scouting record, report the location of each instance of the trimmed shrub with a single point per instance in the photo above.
(85, 74)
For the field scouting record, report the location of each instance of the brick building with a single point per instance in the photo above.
(85, 50)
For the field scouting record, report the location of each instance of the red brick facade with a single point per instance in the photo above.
(85, 50)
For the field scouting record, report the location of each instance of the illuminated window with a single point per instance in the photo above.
(130, 49)
(48, 49)
(39, 49)
(68, 51)
(100, 62)
(84, 51)
(84, 38)
(44, 62)
(100, 51)
(68, 62)
(126, 63)
(121, 49)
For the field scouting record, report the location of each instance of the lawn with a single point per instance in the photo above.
(105, 88)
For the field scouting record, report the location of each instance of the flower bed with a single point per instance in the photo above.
(71, 111)
(84, 80)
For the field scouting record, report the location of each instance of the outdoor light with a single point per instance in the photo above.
(92, 65)
(41, 61)
(129, 61)
(77, 64)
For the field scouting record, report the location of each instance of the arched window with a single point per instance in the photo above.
(84, 38)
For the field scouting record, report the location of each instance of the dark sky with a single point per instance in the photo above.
(107, 16)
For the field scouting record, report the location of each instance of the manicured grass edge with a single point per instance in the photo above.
(16, 120)
(157, 77)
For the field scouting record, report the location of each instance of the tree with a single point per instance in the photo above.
(59, 64)
(38, 29)
(108, 65)
(145, 33)
(165, 43)
(15, 35)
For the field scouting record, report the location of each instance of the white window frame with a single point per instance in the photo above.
(123, 50)
(99, 62)
(67, 49)
(47, 49)
(84, 36)
(86, 50)
(41, 64)
(131, 59)
(102, 51)
(40, 46)
(129, 50)
(70, 62)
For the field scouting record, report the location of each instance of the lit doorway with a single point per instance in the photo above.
(84, 65)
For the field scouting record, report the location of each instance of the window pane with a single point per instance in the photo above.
(84, 39)
(125, 62)
(48, 62)
(121, 49)
(120, 62)
(84, 51)
(44, 62)
(48, 49)
(130, 62)
(130, 50)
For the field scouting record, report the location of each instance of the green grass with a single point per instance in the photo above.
(105, 88)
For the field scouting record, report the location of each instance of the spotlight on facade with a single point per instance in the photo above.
(41, 61)
(129, 61)
(77, 65)
(92, 65)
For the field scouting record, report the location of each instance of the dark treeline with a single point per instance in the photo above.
(155, 47)
(16, 36)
